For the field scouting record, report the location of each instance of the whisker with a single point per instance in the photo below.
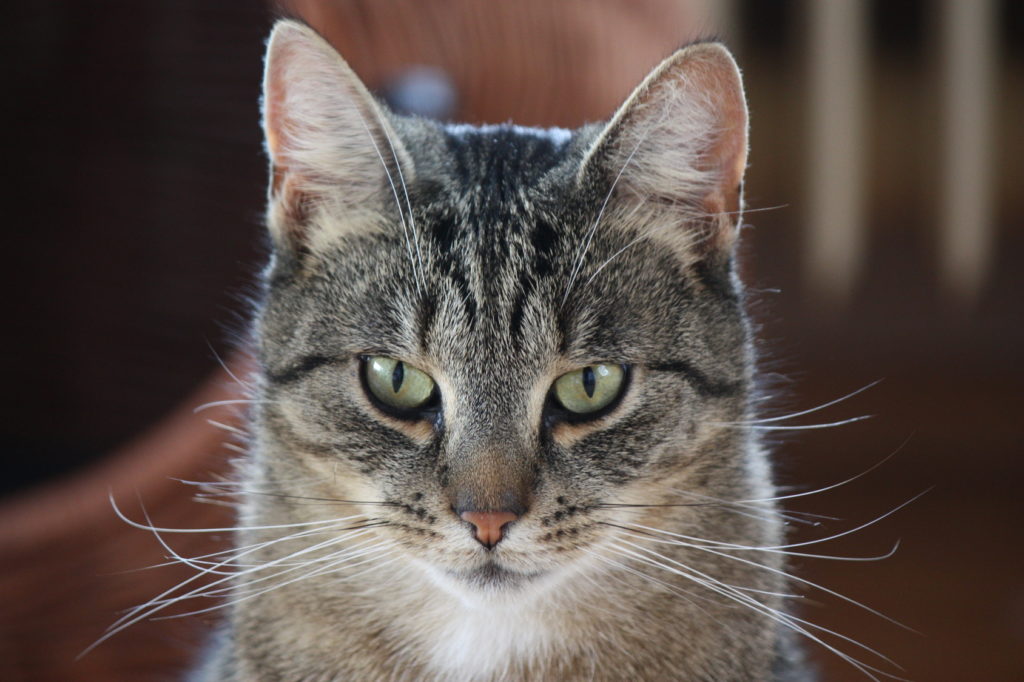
(227, 427)
(809, 427)
(833, 486)
(805, 543)
(730, 592)
(205, 558)
(709, 548)
(230, 529)
(760, 514)
(685, 594)
(802, 413)
(617, 505)
(233, 401)
(324, 500)
(744, 211)
(748, 509)
(245, 597)
(697, 543)
(165, 599)
(349, 551)
(248, 386)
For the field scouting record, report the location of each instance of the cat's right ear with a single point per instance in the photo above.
(676, 150)
(335, 157)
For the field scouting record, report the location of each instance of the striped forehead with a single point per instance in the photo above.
(493, 233)
(492, 167)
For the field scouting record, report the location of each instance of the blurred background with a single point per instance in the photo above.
(883, 243)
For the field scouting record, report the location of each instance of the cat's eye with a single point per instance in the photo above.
(589, 390)
(398, 384)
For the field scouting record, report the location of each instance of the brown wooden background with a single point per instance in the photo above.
(133, 195)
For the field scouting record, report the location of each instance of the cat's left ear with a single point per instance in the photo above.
(335, 157)
(676, 151)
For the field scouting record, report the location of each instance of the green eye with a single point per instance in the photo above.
(590, 389)
(398, 384)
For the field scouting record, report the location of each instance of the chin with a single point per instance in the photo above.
(492, 576)
(487, 582)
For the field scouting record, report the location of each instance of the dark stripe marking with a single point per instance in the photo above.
(704, 385)
(296, 372)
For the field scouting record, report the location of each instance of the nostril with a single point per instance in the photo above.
(490, 526)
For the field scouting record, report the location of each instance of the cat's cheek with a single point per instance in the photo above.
(296, 419)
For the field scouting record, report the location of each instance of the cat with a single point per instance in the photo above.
(502, 423)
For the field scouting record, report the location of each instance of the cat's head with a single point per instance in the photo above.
(506, 336)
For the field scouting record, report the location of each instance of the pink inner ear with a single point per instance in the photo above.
(287, 182)
(716, 75)
(274, 125)
(273, 96)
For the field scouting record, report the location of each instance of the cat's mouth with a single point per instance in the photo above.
(491, 575)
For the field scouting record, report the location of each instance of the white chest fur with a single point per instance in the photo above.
(469, 636)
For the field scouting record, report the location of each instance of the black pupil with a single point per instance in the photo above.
(397, 376)
(589, 381)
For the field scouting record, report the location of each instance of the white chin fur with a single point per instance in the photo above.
(483, 631)
(477, 633)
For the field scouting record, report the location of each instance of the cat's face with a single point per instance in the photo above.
(541, 327)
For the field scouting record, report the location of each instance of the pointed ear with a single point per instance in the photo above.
(677, 150)
(333, 153)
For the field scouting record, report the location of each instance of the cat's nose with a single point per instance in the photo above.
(490, 526)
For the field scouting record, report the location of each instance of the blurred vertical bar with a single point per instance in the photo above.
(724, 19)
(835, 230)
(968, 46)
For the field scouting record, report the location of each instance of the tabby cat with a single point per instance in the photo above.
(502, 426)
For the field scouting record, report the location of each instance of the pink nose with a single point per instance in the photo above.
(489, 525)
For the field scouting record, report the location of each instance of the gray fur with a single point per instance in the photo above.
(515, 257)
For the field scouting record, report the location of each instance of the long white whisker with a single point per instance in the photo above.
(231, 529)
(697, 543)
(685, 594)
(201, 570)
(336, 566)
(233, 401)
(833, 486)
(227, 370)
(208, 570)
(802, 413)
(198, 561)
(227, 427)
(752, 509)
(159, 603)
(709, 549)
(805, 543)
(810, 427)
(348, 552)
(730, 592)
